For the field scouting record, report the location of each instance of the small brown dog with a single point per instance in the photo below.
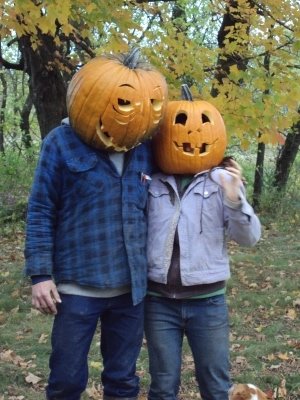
(242, 391)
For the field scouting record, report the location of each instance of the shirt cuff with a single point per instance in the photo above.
(236, 205)
(40, 278)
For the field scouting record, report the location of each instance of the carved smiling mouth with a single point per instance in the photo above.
(108, 140)
(188, 148)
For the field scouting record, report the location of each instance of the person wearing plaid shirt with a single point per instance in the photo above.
(86, 254)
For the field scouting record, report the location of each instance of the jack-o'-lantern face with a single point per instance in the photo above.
(113, 106)
(191, 139)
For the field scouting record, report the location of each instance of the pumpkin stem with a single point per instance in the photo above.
(186, 93)
(132, 58)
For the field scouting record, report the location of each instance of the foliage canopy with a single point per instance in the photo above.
(258, 57)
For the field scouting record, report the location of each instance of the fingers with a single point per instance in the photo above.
(234, 164)
(44, 305)
(232, 167)
(45, 297)
(231, 187)
(234, 173)
(55, 295)
(44, 308)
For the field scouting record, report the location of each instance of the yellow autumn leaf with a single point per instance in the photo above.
(43, 338)
(280, 392)
(96, 364)
(64, 11)
(271, 357)
(94, 391)
(253, 285)
(283, 356)
(296, 303)
(291, 314)
(260, 84)
(245, 144)
(259, 328)
(33, 379)
(46, 25)
(90, 8)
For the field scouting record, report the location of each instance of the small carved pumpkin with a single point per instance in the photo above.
(116, 102)
(192, 137)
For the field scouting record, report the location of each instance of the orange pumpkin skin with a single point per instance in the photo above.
(115, 107)
(191, 139)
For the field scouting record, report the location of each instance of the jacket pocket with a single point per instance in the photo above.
(209, 195)
(207, 251)
(159, 200)
(82, 163)
(136, 190)
(157, 191)
(82, 176)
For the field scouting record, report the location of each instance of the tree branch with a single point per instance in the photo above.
(76, 38)
(9, 65)
(263, 11)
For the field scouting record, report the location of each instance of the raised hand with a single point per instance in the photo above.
(232, 186)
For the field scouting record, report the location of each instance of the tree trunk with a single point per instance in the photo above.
(232, 21)
(2, 110)
(287, 157)
(25, 124)
(46, 84)
(259, 175)
(261, 148)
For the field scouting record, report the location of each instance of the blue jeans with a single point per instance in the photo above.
(121, 326)
(205, 324)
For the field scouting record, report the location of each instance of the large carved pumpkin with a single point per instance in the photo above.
(192, 137)
(116, 102)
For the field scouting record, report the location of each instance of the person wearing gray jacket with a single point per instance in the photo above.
(190, 221)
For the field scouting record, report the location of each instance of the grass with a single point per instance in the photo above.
(263, 298)
(264, 302)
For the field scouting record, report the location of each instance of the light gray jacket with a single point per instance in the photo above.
(205, 219)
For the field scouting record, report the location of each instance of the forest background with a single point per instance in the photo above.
(242, 56)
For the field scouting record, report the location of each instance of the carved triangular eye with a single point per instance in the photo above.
(205, 118)
(181, 118)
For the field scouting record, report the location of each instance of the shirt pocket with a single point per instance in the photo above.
(83, 176)
(209, 197)
(159, 195)
(135, 190)
(158, 191)
(209, 206)
(160, 205)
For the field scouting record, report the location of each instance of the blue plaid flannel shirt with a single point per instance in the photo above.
(86, 223)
